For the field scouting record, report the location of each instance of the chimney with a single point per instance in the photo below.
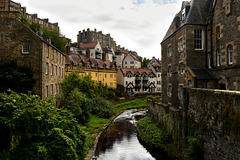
(88, 53)
(104, 56)
(68, 50)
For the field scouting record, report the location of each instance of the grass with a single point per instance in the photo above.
(96, 124)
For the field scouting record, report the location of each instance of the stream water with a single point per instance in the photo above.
(120, 142)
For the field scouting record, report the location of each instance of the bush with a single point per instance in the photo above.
(102, 108)
(194, 150)
(38, 130)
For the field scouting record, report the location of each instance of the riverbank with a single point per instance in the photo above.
(97, 125)
(156, 136)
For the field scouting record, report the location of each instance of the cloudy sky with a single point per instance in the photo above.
(138, 25)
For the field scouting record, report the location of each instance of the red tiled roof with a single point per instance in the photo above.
(133, 70)
(135, 57)
(88, 45)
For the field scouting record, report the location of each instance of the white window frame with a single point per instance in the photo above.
(25, 49)
(47, 68)
(230, 54)
(218, 54)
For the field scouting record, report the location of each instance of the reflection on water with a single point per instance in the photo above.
(119, 141)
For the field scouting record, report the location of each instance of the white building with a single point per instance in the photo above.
(131, 61)
(94, 48)
(155, 66)
(136, 80)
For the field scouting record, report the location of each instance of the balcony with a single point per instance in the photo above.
(145, 78)
(138, 85)
(145, 85)
(98, 56)
(138, 78)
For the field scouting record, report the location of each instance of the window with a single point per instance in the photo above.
(159, 75)
(55, 70)
(218, 58)
(125, 62)
(47, 52)
(181, 68)
(105, 83)
(180, 44)
(183, 14)
(131, 66)
(55, 89)
(209, 60)
(169, 50)
(52, 54)
(217, 33)
(170, 70)
(46, 91)
(62, 72)
(46, 68)
(25, 49)
(205, 85)
(111, 76)
(230, 54)
(60, 57)
(198, 39)
(96, 74)
(51, 89)
(51, 69)
(105, 75)
(56, 55)
(59, 70)
(169, 90)
(131, 62)
(126, 82)
(111, 84)
(189, 83)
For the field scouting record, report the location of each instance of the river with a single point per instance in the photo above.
(120, 142)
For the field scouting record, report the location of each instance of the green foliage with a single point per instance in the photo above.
(155, 98)
(102, 108)
(137, 103)
(16, 77)
(152, 133)
(39, 130)
(194, 150)
(144, 61)
(57, 39)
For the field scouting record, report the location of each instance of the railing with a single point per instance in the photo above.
(145, 85)
(145, 78)
(138, 78)
(138, 85)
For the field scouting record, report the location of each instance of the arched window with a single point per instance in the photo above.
(230, 54)
(218, 58)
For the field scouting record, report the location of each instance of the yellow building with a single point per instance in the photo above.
(102, 72)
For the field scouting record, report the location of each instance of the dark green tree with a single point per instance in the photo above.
(35, 129)
(16, 77)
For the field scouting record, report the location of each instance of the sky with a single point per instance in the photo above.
(138, 25)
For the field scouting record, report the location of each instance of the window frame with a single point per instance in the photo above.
(230, 54)
(198, 39)
(25, 49)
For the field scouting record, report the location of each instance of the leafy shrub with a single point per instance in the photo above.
(102, 108)
(194, 150)
(38, 130)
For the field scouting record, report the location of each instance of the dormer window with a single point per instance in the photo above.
(183, 13)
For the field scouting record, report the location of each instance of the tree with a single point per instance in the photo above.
(16, 77)
(38, 130)
(145, 62)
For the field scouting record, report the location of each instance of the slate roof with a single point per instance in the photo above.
(197, 14)
(88, 45)
(76, 59)
(203, 74)
(134, 70)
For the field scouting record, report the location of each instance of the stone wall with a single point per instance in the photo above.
(216, 116)
(212, 116)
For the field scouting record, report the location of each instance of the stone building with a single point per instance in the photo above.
(87, 36)
(184, 51)
(21, 44)
(201, 48)
(8, 5)
(136, 80)
(131, 61)
(224, 44)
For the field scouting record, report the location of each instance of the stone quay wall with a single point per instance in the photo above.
(212, 116)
